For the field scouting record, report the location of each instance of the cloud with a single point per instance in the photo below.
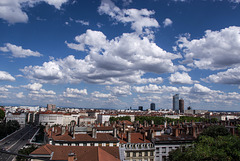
(20, 95)
(18, 51)
(42, 93)
(74, 92)
(97, 94)
(124, 59)
(33, 87)
(181, 78)
(167, 22)
(11, 10)
(231, 76)
(139, 19)
(5, 76)
(86, 23)
(210, 51)
(197, 94)
(120, 90)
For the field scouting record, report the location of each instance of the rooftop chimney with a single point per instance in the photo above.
(194, 132)
(72, 157)
(114, 132)
(145, 123)
(175, 132)
(63, 130)
(165, 124)
(73, 132)
(124, 128)
(128, 136)
(94, 133)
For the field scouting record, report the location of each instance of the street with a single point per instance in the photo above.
(16, 141)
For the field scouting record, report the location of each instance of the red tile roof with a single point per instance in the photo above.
(83, 153)
(135, 138)
(101, 137)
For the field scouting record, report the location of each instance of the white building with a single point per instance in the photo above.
(19, 117)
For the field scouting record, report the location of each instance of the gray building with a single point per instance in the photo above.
(176, 102)
(152, 106)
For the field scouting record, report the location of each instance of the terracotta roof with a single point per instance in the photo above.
(83, 153)
(170, 138)
(101, 137)
(126, 122)
(135, 138)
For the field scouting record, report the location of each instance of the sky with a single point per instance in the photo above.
(118, 54)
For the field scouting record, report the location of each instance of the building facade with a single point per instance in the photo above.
(176, 102)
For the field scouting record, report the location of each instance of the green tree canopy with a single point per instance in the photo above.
(120, 118)
(214, 144)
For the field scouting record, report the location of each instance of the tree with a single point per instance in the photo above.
(120, 118)
(2, 114)
(215, 144)
(215, 130)
(25, 151)
(11, 126)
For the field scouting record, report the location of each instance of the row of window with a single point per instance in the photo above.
(89, 144)
(139, 154)
(135, 146)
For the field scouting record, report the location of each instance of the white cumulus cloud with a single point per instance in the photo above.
(216, 50)
(11, 10)
(18, 51)
(5, 76)
(139, 19)
(181, 78)
(167, 22)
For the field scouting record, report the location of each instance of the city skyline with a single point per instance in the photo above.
(120, 53)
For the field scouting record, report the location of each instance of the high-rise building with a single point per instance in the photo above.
(176, 102)
(152, 106)
(140, 108)
(181, 105)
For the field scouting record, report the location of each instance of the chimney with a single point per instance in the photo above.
(47, 128)
(152, 134)
(73, 132)
(115, 132)
(152, 122)
(175, 132)
(128, 136)
(165, 124)
(72, 157)
(63, 130)
(94, 133)
(124, 128)
(144, 136)
(145, 123)
(194, 134)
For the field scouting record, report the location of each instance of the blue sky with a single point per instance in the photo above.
(120, 53)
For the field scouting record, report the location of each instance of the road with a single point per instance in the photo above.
(16, 141)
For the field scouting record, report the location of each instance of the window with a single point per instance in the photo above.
(134, 154)
(128, 154)
(146, 153)
(99, 144)
(151, 153)
(164, 150)
(170, 149)
(92, 144)
(140, 154)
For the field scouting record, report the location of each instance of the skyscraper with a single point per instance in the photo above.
(181, 105)
(176, 102)
(140, 108)
(152, 106)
